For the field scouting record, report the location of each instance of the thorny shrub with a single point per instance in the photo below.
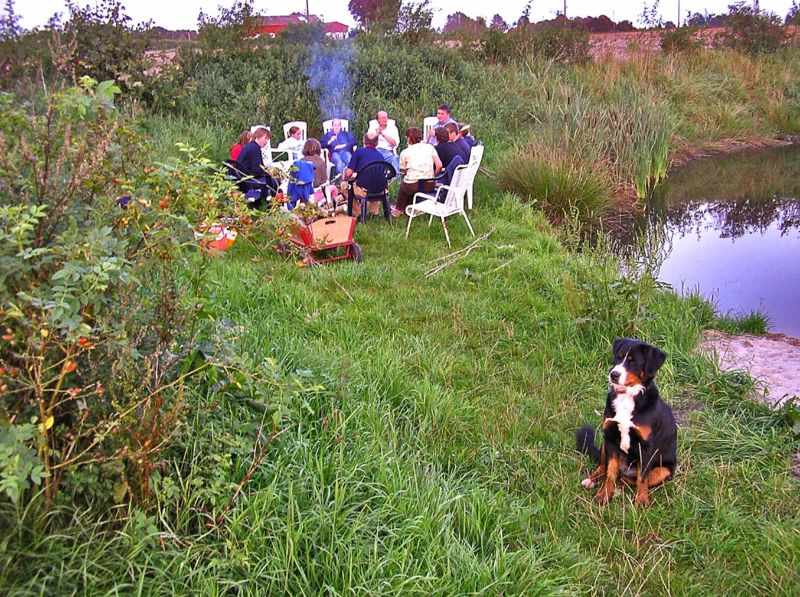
(99, 331)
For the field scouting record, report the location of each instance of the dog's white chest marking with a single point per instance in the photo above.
(623, 414)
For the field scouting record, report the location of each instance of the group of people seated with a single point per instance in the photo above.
(422, 164)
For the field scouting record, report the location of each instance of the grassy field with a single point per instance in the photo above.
(436, 455)
(425, 438)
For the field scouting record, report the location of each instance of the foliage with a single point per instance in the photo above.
(680, 39)
(10, 28)
(650, 15)
(556, 41)
(358, 452)
(96, 329)
(560, 42)
(104, 43)
(414, 20)
(793, 16)
(498, 23)
(458, 24)
(563, 187)
(303, 34)
(753, 33)
(19, 466)
(226, 30)
(756, 323)
(375, 16)
(705, 19)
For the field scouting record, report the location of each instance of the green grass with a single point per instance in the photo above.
(436, 456)
(754, 322)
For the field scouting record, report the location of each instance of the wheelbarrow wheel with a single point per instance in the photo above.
(356, 254)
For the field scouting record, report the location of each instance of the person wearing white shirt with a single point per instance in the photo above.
(388, 138)
(293, 144)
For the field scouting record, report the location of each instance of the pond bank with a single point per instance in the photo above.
(690, 153)
(628, 203)
(757, 356)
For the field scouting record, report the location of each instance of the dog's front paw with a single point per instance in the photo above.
(603, 497)
(642, 501)
(588, 483)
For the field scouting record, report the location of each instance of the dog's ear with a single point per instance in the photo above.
(654, 358)
(616, 345)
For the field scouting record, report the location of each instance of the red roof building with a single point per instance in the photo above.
(336, 29)
(272, 26)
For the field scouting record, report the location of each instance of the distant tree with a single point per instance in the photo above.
(303, 34)
(461, 23)
(625, 25)
(650, 16)
(793, 16)
(228, 27)
(10, 29)
(498, 23)
(752, 31)
(107, 45)
(376, 16)
(454, 22)
(525, 18)
(414, 20)
(601, 24)
(705, 19)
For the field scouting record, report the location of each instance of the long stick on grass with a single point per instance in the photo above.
(450, 259)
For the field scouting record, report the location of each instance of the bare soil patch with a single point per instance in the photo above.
(773, 360)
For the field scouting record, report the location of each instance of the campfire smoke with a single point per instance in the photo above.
(328, 77)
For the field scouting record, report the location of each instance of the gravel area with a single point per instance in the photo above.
(773, 360)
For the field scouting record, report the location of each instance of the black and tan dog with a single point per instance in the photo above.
(639, 430)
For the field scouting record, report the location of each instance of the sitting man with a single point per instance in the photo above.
(450, 153)
(252, 165)
(454, 136)
(388, 138)
(340, 145)
(361, 157)
(293, 144)
(442, 118)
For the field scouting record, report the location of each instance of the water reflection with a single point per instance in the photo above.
(730, 227)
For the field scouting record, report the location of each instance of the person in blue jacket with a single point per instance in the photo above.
(340, 145)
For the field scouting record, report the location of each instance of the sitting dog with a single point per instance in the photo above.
(639, 430)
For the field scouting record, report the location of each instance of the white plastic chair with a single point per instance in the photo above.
(427, 124)
(453, 203)
(328, 125)
(302, 125)
(474, 164)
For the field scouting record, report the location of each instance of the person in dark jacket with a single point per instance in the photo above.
(340, 145)
(252, 164)
(454, 136)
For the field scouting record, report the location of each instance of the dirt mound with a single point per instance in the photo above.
(773, 360)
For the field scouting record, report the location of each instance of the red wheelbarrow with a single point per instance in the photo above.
(324, 239)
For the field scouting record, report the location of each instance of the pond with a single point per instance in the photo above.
(729, 228)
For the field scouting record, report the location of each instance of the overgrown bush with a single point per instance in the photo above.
(558, 41)
(680, 39)
(753, 33)
(561, 186)
(97, 326)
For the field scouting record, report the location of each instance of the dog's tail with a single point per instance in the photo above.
(584, 442)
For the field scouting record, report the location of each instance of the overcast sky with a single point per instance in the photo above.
(182, 14)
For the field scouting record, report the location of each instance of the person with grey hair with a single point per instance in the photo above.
(388, 138)
(339, 144)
